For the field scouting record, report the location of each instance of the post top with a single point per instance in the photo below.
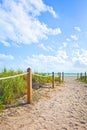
(28, 69)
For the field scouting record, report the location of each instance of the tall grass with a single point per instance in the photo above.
(83, 79)
(13, 88)
(43, 78)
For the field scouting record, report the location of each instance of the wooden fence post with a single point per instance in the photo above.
(29, 85)
(52, 79)
(59, 77)
(58, 74)
(81, 76)
(85, 76)
(62, 76)
(77, 75)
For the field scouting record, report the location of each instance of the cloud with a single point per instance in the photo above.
(50, 9)
(62, 56)
(55, 31)
(80, 55)
(19, 23)
(46, 48)
(6, 57)
(76, 62)
(38, 6)
(43, 47)
(68, 39)
(47, 62)
(50, 48)
(74, 37)
(5, 43)
(64, 44)
(77, 29)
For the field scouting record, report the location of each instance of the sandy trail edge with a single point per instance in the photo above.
(64, 110)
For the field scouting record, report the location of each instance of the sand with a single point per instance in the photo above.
(64, 109)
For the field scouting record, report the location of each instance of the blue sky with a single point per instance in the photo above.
(46, 35)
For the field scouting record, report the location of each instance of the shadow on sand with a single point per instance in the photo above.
(16, 105)
(85, 86)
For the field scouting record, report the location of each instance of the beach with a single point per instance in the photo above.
(63, 108)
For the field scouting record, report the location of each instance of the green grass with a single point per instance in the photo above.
(13, 88)
(44, 78)
(84, 80)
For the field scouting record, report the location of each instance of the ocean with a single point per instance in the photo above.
(65, 74)
(70, 74)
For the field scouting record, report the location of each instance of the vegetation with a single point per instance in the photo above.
(41, 78)
(13, 88)
(83, 79)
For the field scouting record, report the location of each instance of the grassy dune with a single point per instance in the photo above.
(13, 88)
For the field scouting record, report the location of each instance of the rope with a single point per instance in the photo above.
(3, 78)
(41, 75)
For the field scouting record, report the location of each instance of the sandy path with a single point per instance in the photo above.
(64, 110)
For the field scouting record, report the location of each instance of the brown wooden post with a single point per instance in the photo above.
(52, 79)
(29, 85)
(81, 76)
(62, 76)
(77, 75)
(59, 77)
(85, 76)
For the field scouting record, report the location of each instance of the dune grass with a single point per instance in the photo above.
(13, 88)
(83, 79)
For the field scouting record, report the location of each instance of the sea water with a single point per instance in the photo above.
(65, 74)
(70, 74)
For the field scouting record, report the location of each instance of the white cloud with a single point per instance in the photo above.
(74, 37)
(64, 44)
(62, 56)
(77, 29)
(46, 48)
(43, 47)
(59, 62)
(47, 62)
(19, 22)
(50, 9)
(50, 48)
(5, 43)
(80, 55)
(6, 57)
(55, 31)
(68, 39)
(39, 6)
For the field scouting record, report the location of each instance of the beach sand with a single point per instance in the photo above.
(64, 108)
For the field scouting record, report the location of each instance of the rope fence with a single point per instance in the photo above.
(41, 75)
(14, 76)
(29, 81)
